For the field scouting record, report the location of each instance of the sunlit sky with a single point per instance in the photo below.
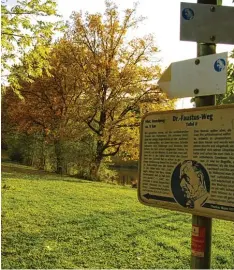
(162, 20)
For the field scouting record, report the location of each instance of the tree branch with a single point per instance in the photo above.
(112, 153)
(15, 35)
(25, 13)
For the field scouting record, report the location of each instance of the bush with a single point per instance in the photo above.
(16, 155)
(107, 175)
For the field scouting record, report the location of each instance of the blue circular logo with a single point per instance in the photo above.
(219, 65)
(188, 14)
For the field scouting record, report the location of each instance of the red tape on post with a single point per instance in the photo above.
(198, 241)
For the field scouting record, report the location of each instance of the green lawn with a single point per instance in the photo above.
(54, 222)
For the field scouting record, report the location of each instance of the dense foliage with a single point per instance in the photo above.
(101, 82)
(27, 29)
(229, 96)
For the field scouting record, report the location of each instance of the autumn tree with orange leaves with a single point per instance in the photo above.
(50, 104)
(117, 73)
(102, 82)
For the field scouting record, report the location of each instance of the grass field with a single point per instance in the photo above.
(52, 222)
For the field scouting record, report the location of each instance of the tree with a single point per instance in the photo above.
(50, 104)
(228, 97)
(26, 38)
(130, 148)
(117, 76)
(101, 83)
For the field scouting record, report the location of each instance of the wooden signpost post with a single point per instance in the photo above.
(187, 156)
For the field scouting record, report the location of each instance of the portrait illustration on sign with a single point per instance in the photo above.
(219, 65)
(190, 184)
(188, 14)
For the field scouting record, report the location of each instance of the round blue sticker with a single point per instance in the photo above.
(219, 65)
(188, 13)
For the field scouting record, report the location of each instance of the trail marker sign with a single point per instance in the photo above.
(187, 161)
(201, 76)
(206, 23)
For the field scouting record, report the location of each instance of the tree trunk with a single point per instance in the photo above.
(59, 157)
(94, 171)
(94, 168)
(38, 157)
(42, 155)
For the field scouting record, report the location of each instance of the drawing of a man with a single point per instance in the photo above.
(192, 183)
(220, 64)
(188, 14)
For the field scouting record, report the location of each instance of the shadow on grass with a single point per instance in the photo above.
(18, 168)
(14, 170)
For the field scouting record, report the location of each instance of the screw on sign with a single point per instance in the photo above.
(198, 241)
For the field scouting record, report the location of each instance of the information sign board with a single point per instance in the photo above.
(187, 161)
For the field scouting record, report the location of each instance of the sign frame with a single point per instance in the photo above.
(206, 23)
(162, 204)
(200, 76)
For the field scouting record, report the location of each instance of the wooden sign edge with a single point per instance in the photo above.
(161, 204)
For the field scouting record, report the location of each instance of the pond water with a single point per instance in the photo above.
(126, 176)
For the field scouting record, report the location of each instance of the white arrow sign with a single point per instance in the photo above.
(201, 76)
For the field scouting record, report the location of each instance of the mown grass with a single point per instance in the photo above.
(52, 222)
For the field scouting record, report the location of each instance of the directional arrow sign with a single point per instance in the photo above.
(207, 23)
(201, 76)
